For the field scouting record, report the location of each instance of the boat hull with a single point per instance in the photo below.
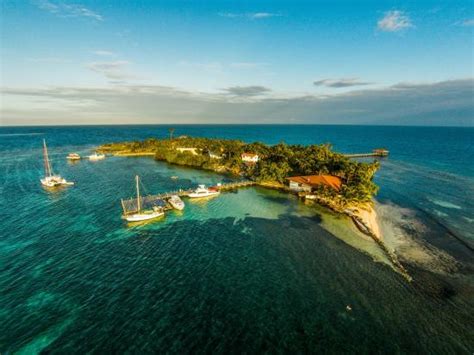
(201, 195)
(177, 206)
(95, 158)
(140, 217)
(55, 182)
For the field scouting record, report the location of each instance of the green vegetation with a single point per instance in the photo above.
(277, 163)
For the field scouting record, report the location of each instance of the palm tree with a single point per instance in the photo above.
(171, 131)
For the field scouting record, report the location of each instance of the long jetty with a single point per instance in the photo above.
(130, 205)
(375, 153)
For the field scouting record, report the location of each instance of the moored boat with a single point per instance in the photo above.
(95, 157)
(202, 191)
(73, 156)
(50, 179)
(141, 214)
(176, 202)
(145, 215)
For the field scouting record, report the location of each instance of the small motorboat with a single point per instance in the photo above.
(174, 177)
(176, 202)
(73, 156)
(95, 157)
(202, 191)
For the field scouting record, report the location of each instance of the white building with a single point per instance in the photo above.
(214, 156)
(193, 151)
(250, 157)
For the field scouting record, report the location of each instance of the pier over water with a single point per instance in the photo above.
(380, 152)
(161, 200)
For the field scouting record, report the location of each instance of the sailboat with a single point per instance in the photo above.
(142, 215)
(50, 179)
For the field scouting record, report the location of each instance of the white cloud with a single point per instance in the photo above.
(215, 67)
(444, 103)
(340, 83)
(112, 70)
(262, 15)
(246, 91)
(247, 65)
(48, 60)
(104, 53)
(249, 15)
(394, 21)
(67, 10)
(467, 23)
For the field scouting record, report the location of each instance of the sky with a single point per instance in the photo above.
(173, 62)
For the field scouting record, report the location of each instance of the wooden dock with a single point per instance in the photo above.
(375, 153)
(130, 205)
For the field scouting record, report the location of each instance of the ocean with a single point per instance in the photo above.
(252, 270)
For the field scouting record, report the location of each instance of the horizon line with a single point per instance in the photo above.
(234, 124)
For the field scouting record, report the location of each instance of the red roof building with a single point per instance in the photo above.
(308, 183)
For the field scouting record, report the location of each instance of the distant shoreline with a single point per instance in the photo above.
(228, 125)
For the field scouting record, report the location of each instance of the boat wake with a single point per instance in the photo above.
(20, 134)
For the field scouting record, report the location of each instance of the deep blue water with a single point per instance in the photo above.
(250, 271)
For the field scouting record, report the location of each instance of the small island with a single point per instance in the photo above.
(314, 172)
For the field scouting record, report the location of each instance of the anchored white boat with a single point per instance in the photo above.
(202, 191)
(95, 157)
(176, 202)
(73, 156)
(50, 179)
(142, 215)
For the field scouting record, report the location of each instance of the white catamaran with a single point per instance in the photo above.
(142, 215)
(50, 179)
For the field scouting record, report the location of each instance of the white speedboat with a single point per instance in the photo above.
(95, 157)
(176, 202)
(73, 156)
(202, 191)
(50, 179)
(140, 214)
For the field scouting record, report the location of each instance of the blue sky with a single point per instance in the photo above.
(80, 61)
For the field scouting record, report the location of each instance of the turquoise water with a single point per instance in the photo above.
(253, 270)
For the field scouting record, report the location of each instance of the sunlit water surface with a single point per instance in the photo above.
(252, 270)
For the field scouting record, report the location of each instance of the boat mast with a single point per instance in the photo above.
(47, 164)
(138, 194)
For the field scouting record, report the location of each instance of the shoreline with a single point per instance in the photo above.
(129, 154)
(363, 215)
(366, 221)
